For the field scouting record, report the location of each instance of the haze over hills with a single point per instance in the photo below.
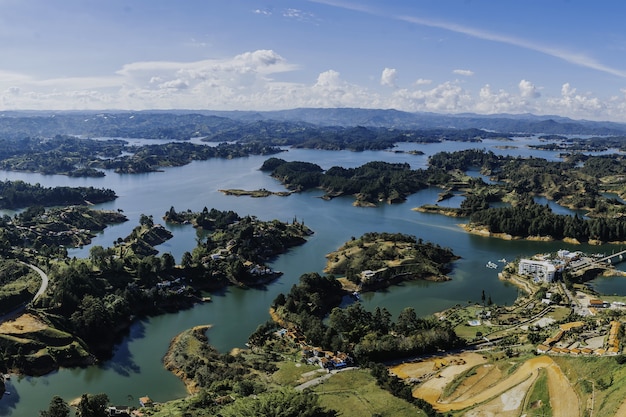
(168, 124)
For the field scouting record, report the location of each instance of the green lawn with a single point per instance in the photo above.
(355, 394)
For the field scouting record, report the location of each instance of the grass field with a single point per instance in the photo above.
(538, 400)
(355, 394)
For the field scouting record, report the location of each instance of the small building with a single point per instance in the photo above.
(145, 401)
(118, 410)
(543, 348)
(595, 303)
(542, 271)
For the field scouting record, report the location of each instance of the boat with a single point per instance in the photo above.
(503, 260)
(491, 265)
(356, 296)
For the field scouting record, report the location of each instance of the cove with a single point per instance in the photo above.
(136, 370)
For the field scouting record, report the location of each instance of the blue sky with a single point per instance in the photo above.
(563, 57)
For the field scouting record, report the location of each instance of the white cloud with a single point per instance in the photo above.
(388, 77)
(251, 81)
(466, 73)
(528, 89)
(328, 78)
(297, 14)
(262, 12)
(422, 81)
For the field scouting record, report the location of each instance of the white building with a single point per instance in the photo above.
(541, 271)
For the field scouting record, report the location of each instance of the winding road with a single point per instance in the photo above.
(44, 280)
(42, 289)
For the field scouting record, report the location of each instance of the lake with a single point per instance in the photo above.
(136, 369)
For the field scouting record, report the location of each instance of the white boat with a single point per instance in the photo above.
(491, 265)
(356, 295)
(503, 260)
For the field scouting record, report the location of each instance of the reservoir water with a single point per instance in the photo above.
(136, 369)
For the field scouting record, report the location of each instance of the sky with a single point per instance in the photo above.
(555, 57)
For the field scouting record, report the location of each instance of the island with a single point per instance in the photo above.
(377, 260)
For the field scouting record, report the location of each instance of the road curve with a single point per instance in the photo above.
(44, 280)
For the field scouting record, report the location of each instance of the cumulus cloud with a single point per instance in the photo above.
(388, 77)
(252, 81)
(528, 89)
(328, 78)
(422, 81)
(464, 72)
(262, 12)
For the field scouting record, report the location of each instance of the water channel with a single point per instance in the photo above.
(136, 369)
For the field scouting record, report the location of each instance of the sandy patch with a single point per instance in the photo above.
(508, 404)
(25, 323)
(621, 411)
(444, 369)
(563, 398)
(505, 397)
(486, 376)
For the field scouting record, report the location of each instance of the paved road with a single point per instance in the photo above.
(42, 288)
(44, 280)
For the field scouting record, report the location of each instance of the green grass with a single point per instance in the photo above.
(289, 373)
(538, 399)
(355, 394)
(585, 373)
(559, 313)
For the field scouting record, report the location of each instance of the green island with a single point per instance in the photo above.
(262, 192)
(377, 260)
(19, 194)
(77, 157)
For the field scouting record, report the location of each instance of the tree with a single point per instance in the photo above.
(283, 403)
(92, 405)
(167, 262)
(145, 220)
(57, 408)
(187, 260)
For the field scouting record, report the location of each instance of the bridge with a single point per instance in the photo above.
(614, 258)
(589, 263)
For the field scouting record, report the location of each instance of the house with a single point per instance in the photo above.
(145, 401)
(542, 348)
(118, 410)
(595, 303)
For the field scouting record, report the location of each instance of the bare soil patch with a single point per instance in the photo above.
(491, 395)
(26, 323)
(486, 376)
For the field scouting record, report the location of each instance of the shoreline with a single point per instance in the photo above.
(483, 231)
(168, 363)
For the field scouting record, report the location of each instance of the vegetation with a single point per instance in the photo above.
(58, 408)
(370, 183)
(378, 259)
(76, 157)
(357, 393)
(365, 335)
(234, 249)
(18, 194)
(18, 284)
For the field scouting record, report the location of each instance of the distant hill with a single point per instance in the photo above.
(519, 123)
(182, 124)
